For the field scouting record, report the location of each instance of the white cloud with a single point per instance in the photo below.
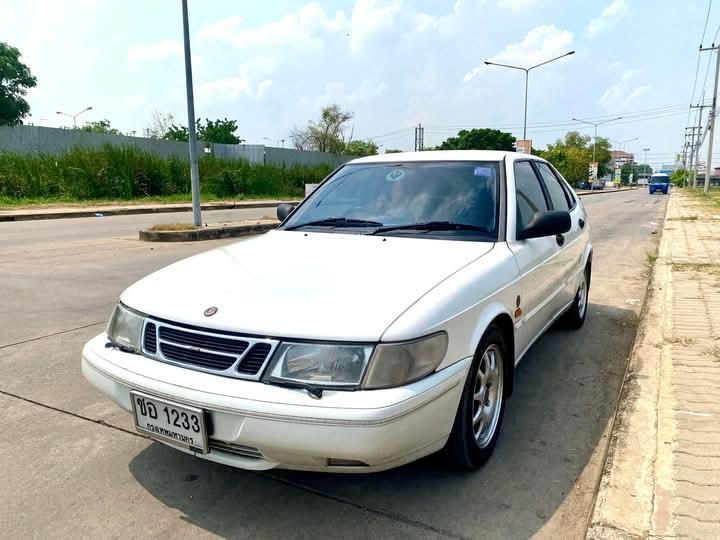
(232, 89)
(337, 92)
(626, 90)
(612, 13)
(370, 17)
(540, 44)
(517, 5)
(157, 52)
(303, 29)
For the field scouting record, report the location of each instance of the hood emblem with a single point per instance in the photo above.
(209, 312)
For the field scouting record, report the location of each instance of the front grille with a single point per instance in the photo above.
(254, 359)
(212, 351)
(197, 358)
(192, 339)
(237, 449)
(150, 338)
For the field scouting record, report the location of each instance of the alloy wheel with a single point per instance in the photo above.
(487, 395)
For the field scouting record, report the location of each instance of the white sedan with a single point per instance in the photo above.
(381, 322)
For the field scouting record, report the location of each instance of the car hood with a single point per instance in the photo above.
(303, 285)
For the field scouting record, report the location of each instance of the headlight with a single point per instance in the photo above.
(319, 364)
(125, 327)
(395, 364)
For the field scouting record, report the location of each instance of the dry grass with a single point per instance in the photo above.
(174, 227)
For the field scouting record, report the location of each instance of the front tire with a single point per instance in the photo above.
(575, 316)
(482, 406)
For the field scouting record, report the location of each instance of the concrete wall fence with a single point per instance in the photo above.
(46, 140)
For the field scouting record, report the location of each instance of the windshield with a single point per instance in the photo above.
(664, 179)
(361, 198)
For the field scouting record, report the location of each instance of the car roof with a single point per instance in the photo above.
(444, 155)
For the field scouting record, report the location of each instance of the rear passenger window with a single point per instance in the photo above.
(557, 193)
(529, 193)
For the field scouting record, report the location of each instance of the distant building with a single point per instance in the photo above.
(621, 158)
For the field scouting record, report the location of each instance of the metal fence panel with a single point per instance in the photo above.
(289, 156)
(40, 139)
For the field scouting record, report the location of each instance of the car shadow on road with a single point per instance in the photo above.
(565, 394)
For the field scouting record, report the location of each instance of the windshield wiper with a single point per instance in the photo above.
(336, 222)
(432, 226)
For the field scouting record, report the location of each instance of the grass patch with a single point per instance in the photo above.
(651, 259)
(174, 227)
(124, 173)
(704, 268)
(684, 218)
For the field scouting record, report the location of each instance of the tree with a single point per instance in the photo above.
(325, 135)
(218, 131)
(161, 123)
(572, 156)
(15, 80)
(100, 126)
(479, 139)
(392, 151)
(361, 148)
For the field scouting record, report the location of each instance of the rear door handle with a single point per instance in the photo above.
(581, 222)
(560, 239)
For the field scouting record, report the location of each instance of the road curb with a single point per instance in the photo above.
(134, 210)
(213, 232)
(624, 496)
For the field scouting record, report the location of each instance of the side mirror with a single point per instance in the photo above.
(284, 210)
(550, 223)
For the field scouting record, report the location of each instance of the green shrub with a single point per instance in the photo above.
(127, 172)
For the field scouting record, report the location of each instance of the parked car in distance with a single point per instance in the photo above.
(659, 182)
(584, 185)
(381, 322)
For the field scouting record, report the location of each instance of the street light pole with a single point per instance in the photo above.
(646, 163)
(596, 124)
(74, 116)
(192, 138)
(527, 76)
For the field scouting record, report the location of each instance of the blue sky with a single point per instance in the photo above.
(271, 65)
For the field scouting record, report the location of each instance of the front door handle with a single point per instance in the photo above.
(560, 239)
(581, 222)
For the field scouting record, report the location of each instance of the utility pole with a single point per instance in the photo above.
(419, 138)
(691, 147)
(646, 163)
(708, 166)
(698, 144)
(192, 138)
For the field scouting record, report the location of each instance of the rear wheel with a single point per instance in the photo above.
(480, 413)
(575, 316)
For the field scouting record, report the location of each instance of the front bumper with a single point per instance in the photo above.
(361, 431)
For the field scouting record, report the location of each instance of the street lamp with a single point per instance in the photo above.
(527, 73)
(623, 143)
(596, 124)
(74, 116)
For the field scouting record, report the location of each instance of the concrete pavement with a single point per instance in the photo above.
(662, 477)
(74, 467)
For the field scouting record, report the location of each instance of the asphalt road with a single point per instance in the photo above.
(72, 466)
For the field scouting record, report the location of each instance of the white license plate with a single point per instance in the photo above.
(168, 422)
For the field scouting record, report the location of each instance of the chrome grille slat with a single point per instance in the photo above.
(215, 352)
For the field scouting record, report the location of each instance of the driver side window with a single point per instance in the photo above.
(528, 193)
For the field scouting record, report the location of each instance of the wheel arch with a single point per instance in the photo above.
(497, 315)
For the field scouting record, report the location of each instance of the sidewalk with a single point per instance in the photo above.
(26, 214)
(662, 474)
